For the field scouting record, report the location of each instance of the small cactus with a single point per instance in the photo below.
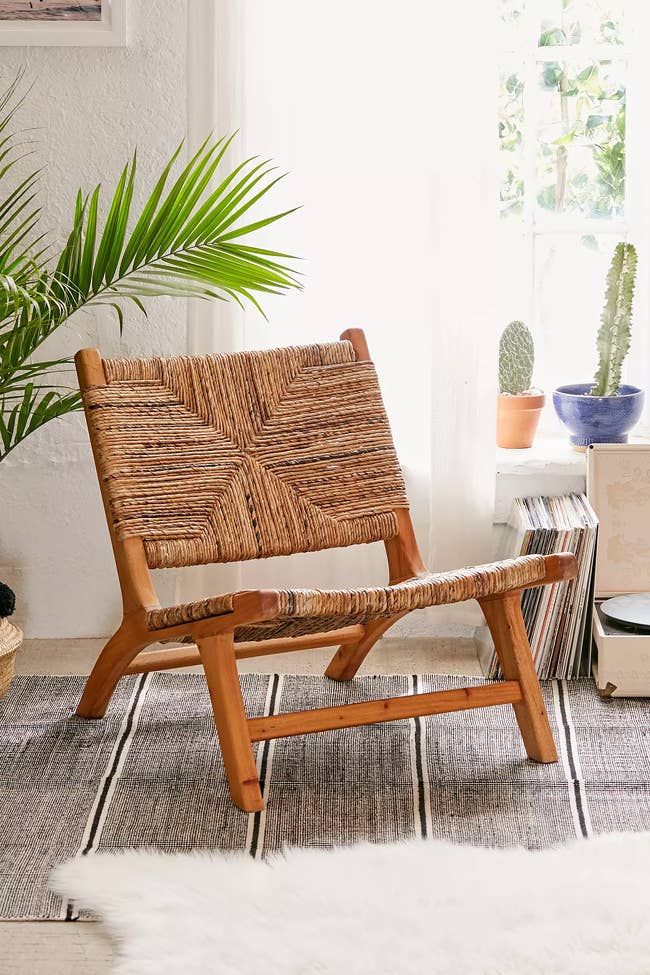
(616, 321)
(516, 359)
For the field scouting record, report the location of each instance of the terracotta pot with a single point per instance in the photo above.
(517, 419)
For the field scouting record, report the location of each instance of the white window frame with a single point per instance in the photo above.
(110, 31)
(635, 224)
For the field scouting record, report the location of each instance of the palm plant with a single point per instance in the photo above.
(186, 241)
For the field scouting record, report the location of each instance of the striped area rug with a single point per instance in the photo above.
(150, 774)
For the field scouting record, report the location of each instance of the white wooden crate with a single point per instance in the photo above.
(618, 488)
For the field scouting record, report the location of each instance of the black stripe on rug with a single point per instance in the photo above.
(419, 772)
(566, 730)
(71, 914)
(266, 746)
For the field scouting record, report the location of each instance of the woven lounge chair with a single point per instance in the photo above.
(234, 457)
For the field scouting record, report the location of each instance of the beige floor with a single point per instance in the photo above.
(56, 948)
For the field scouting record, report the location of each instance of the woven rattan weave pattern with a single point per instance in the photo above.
(305, 611)
(222, 458)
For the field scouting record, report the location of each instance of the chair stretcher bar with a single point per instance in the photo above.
(388, 709)
(189, 656)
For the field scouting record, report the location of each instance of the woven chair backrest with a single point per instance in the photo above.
(223, 458)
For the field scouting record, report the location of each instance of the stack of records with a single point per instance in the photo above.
(558, 616)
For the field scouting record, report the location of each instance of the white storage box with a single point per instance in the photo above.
(618, 488)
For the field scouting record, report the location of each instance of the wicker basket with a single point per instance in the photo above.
(10, 639)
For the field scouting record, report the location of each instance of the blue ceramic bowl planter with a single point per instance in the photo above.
(598, 419)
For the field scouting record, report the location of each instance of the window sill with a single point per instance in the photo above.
(550, 467)
(550, 456)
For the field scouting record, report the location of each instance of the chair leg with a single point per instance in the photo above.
(116, 656)
(348, 658)
(503, 616)
(220, 666)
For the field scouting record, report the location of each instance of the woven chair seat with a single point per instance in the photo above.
(304, 611)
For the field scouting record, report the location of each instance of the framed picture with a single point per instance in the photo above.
(92, 23)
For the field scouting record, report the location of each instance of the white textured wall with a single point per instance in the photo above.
(91, 107)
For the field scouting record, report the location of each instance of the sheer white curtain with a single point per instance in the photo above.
(383, 114)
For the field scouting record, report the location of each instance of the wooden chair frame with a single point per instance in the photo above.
(214, 647)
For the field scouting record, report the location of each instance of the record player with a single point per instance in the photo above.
(618, 488)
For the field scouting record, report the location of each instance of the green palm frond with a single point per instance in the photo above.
(34, 406)
(185, 241)
(192, 238)
(32, 392)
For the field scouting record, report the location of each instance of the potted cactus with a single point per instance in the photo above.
(606, 410)
(518, 405)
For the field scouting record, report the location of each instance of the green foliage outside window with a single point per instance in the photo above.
(581, 134)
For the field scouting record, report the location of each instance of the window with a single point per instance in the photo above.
(569, 157)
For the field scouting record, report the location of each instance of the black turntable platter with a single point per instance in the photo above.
(631, 612)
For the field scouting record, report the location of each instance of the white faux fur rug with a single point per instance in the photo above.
(417, 908)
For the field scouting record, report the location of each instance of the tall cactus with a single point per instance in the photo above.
(516, 359)
(616, 321)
